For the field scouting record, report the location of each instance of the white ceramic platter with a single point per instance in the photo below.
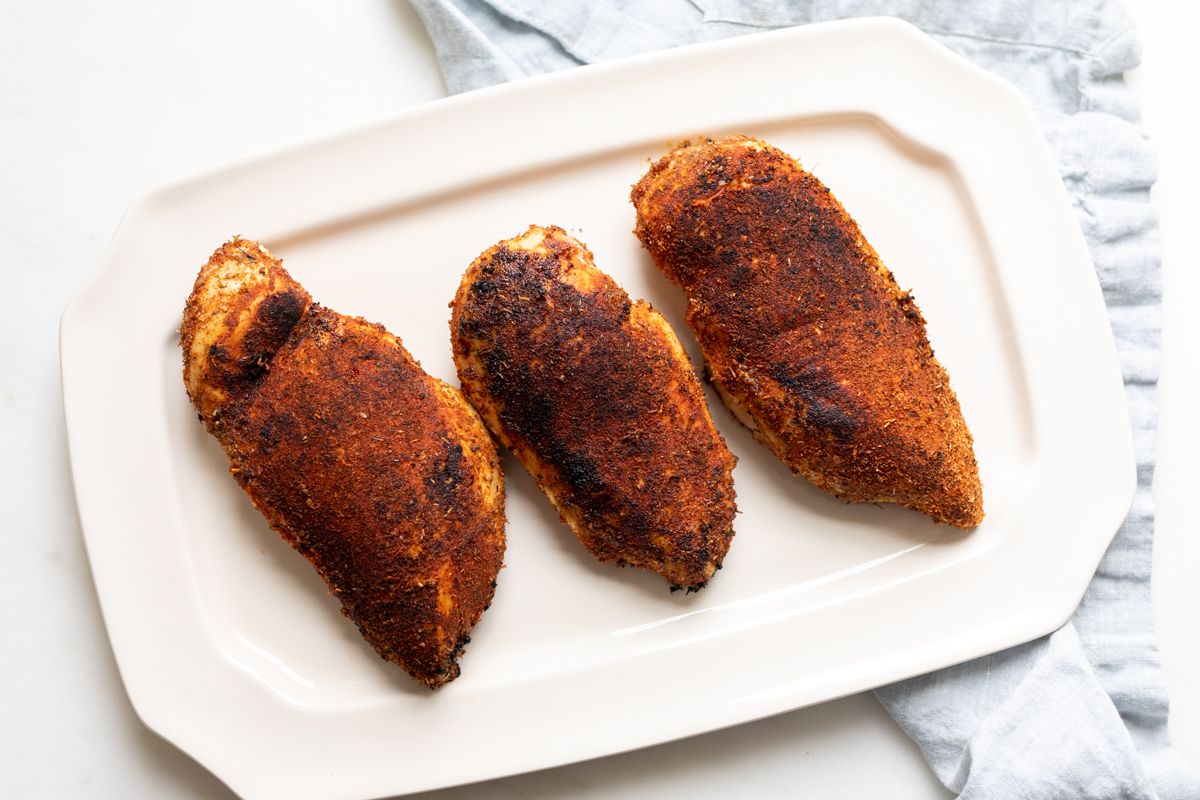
(230, 646)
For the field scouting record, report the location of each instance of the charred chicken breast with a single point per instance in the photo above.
(380, 475)
(805, 332)
(596, 397)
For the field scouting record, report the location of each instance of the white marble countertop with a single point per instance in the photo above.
(99, 101)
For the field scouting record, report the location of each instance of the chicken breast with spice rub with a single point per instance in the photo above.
(806, 334)
(595, 395)
(380, 475)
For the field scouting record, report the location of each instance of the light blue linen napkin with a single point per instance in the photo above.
(1081, 713)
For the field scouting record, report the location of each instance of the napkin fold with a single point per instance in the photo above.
(1081, 713)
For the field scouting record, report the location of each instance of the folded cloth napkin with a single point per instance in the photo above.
(1082, 712)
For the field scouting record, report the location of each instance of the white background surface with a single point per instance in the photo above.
(97, 103)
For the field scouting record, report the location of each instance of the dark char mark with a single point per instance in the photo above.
(827, 405)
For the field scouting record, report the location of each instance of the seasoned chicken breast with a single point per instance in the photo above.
(380, 475)
(596, 397)
(806, 334)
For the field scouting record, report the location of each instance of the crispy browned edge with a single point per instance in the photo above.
(597, 398)
(805, 332)
(383, 477)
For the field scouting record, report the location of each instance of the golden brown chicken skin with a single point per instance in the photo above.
(805, 332)
(380, 475)
(597, 398)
